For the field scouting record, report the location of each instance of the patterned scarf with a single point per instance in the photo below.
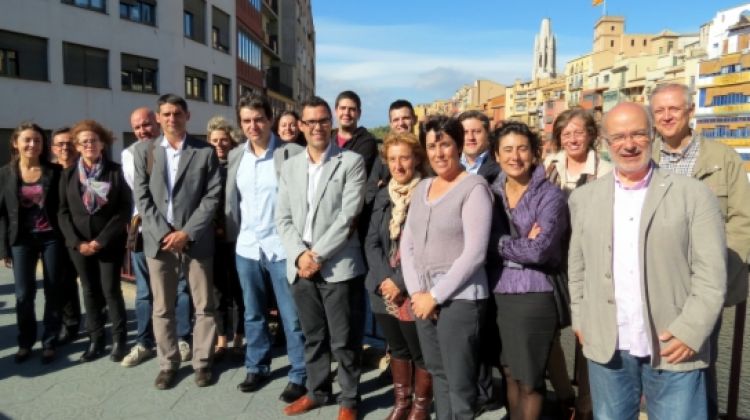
(401, 197)
(93, 192)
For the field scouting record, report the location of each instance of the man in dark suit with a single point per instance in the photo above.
(321, 192)
(476, 156)
(177, 188)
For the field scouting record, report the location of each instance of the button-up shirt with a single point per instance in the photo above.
(478, 162)
(173, 163)
(681, 162)
(257, 188)
(314, 171)
(631, 325)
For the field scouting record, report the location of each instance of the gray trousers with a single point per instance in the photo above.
(450, 347)
(165, 271)
(331, 317)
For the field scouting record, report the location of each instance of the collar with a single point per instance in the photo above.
(323, 159)
(273, 143)
(165, 144)
(642, 184)
(680, 154)
(479, 161)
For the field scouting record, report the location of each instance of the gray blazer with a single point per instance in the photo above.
(281, 153)
(683, 261)
(338, 201)
(194, 199)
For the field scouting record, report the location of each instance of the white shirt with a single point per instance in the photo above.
(632, 328)
(314, 170)
(173, 161)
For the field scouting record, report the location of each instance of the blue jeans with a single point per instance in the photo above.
(25, 255)
(616, 389)
(144, 303)
(258, 353)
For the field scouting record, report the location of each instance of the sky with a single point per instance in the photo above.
(423, 50)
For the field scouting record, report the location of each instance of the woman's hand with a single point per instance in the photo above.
(535, 231)
(86, 249)
(389, 290)
(423, 305)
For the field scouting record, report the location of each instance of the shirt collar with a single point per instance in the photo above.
(679, 155)
(479, 161)
(273, 143)
(640, 185)
(165, 144)
(323, 159)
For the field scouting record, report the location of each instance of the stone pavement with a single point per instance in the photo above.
(103, 389)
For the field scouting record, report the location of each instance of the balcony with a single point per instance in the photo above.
(274, 83)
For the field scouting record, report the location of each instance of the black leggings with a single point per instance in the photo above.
(402, 338)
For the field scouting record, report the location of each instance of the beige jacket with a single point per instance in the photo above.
(682, 266)
(559, 160)
(721, 169)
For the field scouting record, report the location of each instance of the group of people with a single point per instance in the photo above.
(471, 250)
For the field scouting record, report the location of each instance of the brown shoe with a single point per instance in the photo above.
(203, 377)
(346, 413)
(302, 405)
(165, 379)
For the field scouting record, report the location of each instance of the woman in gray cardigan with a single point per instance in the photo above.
(443, 250)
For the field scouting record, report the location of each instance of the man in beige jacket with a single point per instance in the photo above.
(647, 269)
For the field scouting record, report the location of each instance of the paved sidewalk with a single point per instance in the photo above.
(105, 390)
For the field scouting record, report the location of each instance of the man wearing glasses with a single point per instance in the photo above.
(66, 156)
(647, 277)
(321, 192)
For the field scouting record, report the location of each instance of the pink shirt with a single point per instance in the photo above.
(632, 328)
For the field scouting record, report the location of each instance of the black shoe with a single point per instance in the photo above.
(95, 351)
(48, 355)
(22, 355)
(68, 334)
(252, 382)
(165, 379)
(203, 377)
(292, 392)
(118, 352)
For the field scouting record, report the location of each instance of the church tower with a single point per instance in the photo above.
(544, 52)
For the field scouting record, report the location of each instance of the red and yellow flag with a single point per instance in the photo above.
(596, 2)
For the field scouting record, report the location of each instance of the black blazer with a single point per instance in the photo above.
(108, 225)
(489, 169)
(377, 248)
(9, 205)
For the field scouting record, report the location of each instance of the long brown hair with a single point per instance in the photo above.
(28, 125)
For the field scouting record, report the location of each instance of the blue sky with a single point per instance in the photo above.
(425, 50)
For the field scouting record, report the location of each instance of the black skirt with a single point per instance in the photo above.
(527, 324)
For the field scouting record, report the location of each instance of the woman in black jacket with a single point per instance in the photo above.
(389, 300)
(28, 229)
(95, 207)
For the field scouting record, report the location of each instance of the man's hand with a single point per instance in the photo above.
(423, 305)
(175, 241)
(579, 336)
(95, 246)
(8, 261)
(86, 249)
(389, 290)
(676, 351)
(306, 265)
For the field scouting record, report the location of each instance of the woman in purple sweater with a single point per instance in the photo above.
(532, 245)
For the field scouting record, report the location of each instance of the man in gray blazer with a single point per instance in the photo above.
(647, 271)
(177, 188)
(321, 192)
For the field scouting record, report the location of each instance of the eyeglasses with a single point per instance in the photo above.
(571, 134)
(323, 122)
(64, 144)
(639, 136)
(88, 142)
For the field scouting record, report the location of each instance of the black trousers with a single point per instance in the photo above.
(230, 309)
(100, 281)
(332, 319)
(70, 303)
(450, 346)
(402, 338)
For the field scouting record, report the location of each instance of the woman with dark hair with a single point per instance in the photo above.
(28, 230)
(230, 309)
(389, 299)
(95, 205)
(286, 128)
(443, 249)
(529, 237)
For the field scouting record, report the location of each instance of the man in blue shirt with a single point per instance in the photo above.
(250, 206)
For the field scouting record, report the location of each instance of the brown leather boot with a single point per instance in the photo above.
(420, 408)
(401, 371)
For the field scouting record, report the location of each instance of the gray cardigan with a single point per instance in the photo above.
(444, 243)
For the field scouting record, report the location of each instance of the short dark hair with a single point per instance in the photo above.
(315, 102)
(448, 125)
(351, 95)
(400, 103)
(172, 99)
(476, 115)
(28, 125)
(256, 102)
(282, 114)
(565, 117)
(519, 128)
(61, 130)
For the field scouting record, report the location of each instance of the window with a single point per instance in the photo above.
(644, 42)
(194, 20)
(141, 11)
(221, 90)
(606, 78)
(98, 5)
(23, 56)
(612, 43)
(248, 50)
(632, 43)
(219, 30)
(138, 74)
(255, 4)
(128, 138)
(195, 84)
(85, 66)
